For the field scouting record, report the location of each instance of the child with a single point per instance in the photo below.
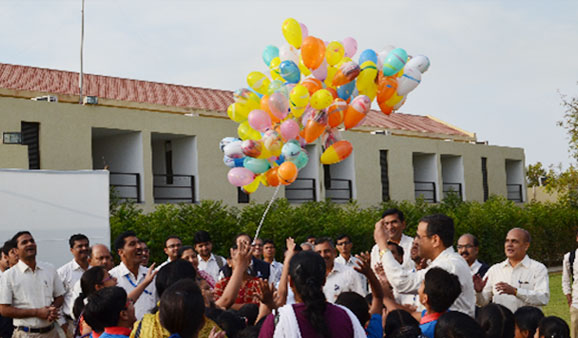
(437, 293)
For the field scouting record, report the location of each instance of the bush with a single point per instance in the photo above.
(552, 225)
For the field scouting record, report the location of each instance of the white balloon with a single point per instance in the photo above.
(419, 62)
(234, 149)
(410, 79)
(381, 55)
(288, 52)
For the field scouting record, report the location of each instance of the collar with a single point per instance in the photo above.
(125, 271)
(525, 262)
(337, 267)
(427, 318)
(76, 266)
(118, 330)
(23, 267)
(212, 258)
(448, 251)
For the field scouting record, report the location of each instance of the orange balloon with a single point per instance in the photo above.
(333, 92)
(312, 52)
(272, 177)
(352, 117)
(386, 88)
(335, 112)
(312, 84)
(265, 107)
(346, 73)
(385, 108)
(287, 172)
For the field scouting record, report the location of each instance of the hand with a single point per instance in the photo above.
(242, 256)
(216, 334)
(266, 294)
(505, 288)
(363, 263)
(479, 283)
(569, 299)
(290, 245)
(380, 236)
(380, 272)
(387, 290)
(54, 313)
(421, 264)
(150, 276)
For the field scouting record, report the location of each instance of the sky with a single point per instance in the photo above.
(498, 68)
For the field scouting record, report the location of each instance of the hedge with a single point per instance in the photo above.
(552, 225)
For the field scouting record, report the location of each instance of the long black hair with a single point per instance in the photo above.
(307, 270)
(88, 282)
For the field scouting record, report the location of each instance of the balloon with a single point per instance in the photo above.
(292, 32)
(272, 177)
(312, 84)
(279, 105)
(257, 166)
(299, 96)
(234, 150)
(291, 150)
(382, 55)
(233, 162)
(385, 108)
(346, 73)
(400, 103)
(237, 112)
(252, 148)
(288, 52)
(410, 79)
(240, 176)
(304, 30)
(395, 99)
(247, 133)
(274, 69)
(419, 62)
(225, 141)
(259, 120)
(321, 72)
(330, 136)
(394, 61)
(272, 141)
(368, 55)
(321, 99)
(313, 52)
(356, 111)
(335, 112)
(287, 173)
(304, 70)
(386, 88)
(252, 187)
(301, 160)
(337, 152)
(289, 71)
(369, 91)
(367, 75)
(315, 126)
(259, 82)
(346, 90)
(289, 130)
(270, 53)
(275, 86)
(334, 52)
(350, 46)
(331, 71)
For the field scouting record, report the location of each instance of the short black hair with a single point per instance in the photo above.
(104, 307)
(397, 247)
(201, 236)
(528, 318)
(241, 235)
(553, 326)
(321, 240)
(398, 323)
(182, 308)
(119, 241)
(172, 273)
(356, 303)
(172, 237)
(18, 234)
(75, 238)
(394, 211)
(342, 236)
(442, 289)
(441, 225)
(8, 245)
(455, 324)
(184, 248)
(496, 320)
(475, 241)
(269, 241)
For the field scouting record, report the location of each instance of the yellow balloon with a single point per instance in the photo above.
(247, 133)
(395, 99)
(259, 82)
(238, 112)
(303, 68)
(299, 96)
(331, 71)
(297, 112)
(334, 53)
(369, 91)
(367, 76)
(345, 59)
(274, 69)
(321, 99)
(253, 186)
(292, 32)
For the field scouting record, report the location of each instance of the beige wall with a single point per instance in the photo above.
(66, 144)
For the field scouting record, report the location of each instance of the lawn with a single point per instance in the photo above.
(558, 305)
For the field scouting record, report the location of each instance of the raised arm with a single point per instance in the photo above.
(364, 267)
(149, 277)
(241, 260)
(283, 288)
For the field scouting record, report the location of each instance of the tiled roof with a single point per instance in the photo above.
(34, 79)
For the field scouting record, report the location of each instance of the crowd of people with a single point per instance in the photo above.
(405, 287)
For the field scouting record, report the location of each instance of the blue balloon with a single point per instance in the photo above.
(233, 162)
(368, 55)
(345, 91)
(289, 71)
(269, 54)
(280, 160)
(301, 160)
(258, 166)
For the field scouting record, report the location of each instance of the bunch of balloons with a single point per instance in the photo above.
(310, 89)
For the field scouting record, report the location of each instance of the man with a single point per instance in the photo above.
(344, 246)
(70, 273)
(434, 237)
(6, 327)
(4, 262)
(100, 256)
(258, 248)
(172, 246)
(468, 248)
(146, 253)
(10, 248)
(393, 221)
(257, 267)
(109, 311)
(311, 240)
(130, 273)
(518, 281)
(306, 246)
(31, 292)
(208, 262)
(269, 257)
(339, 278)
(570, 287)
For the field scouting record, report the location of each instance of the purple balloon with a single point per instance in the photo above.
(289, 129)
(304, 31)
(279, 105)
(240, 176)
(259, 120)
(350, 46)
(321, 72)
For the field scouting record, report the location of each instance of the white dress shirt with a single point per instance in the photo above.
(69, 273)
(341, 279)
(476, 265)
(530, 277)
(158, 268)
(352, 263)
(406, 243)
(569, 287)
(210, 266)
(125, 279)
(408, 281)
(24, 288)
(276, 272)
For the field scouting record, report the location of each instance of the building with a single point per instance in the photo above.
(160, 144)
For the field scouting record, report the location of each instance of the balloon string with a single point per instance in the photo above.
(266, 211)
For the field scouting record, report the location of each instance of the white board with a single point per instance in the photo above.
(53, 205)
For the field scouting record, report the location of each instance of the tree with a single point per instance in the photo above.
(570, 123)
(536, 175)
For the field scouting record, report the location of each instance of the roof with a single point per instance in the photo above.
(57, 82)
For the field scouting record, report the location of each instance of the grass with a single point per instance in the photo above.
(557, 305)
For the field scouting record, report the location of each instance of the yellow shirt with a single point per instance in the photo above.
(150, 327)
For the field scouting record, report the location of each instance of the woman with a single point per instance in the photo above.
(311, 315)
(552, 327)
(187, 253)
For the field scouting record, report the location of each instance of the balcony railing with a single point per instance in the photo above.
(452, 188)
(425, 190)
(300, 191)
(339, 190)
(515, 192)
(174, 188)
(126, 186)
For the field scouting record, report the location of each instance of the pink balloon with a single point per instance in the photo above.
(279, 105)
(289, 130)
(304, 30)
(259, 120)
(240, 176)
(350, 46)
(321, 72)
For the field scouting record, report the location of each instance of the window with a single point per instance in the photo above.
(384, 176)
(242, 197)
(30, 138)
(485, 178)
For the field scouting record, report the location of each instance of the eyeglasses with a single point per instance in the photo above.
(344, 243)
(467, 246)
(106, 279)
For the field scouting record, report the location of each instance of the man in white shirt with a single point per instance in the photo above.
(10, 250)
(469, 247)
(130, 273)
(31, 292)
(340, 278)
(4, 262)
(344, 247)
(172, 246)
(70, 274)
(208, 262)
(434, 238)
(570, 287)
(269, 257)
(393, 221)
(518, 281)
